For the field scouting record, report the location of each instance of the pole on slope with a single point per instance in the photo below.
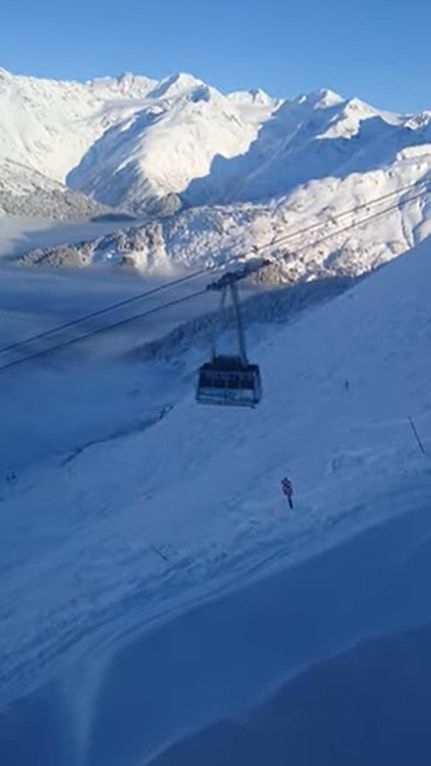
(417, 437)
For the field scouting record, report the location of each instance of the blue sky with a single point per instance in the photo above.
(372, 49)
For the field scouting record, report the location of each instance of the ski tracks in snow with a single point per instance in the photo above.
(153, 590)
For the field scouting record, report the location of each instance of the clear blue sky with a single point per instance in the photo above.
(375, 49)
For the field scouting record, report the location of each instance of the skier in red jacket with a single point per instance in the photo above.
(287, 489)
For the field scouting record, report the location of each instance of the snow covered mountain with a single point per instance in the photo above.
(225, 173)
(26, 192)
(45, 128)
(130, 140)
(170, 142)
(125, 140)
(49, 125)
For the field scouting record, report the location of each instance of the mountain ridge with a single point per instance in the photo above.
(232, 171)
(129, 139)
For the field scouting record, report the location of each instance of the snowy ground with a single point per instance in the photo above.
(368, 705)
(132, 594)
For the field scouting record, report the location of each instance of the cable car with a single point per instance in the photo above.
(230, 379)
(227, 380)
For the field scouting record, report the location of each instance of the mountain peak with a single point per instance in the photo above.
(325, 97)
(126, 78)
(256, 96)
(175, 84)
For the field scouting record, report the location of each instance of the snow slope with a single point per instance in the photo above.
(367, 705)
(103, 547)
(316, 136)
(45, 127)
(131, 140)
(48, 124)
(188, 139)
(126, 139)
(315, 231)
(26, 192)
(170, 142)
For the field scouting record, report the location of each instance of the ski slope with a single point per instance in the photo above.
(116, 555)
(345, 675)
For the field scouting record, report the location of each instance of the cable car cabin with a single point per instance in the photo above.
(229, 380)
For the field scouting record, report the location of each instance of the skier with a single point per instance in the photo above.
(287, 489)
